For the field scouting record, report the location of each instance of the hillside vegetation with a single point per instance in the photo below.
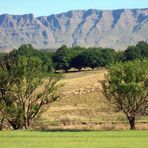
(30, 79)
(82, 105)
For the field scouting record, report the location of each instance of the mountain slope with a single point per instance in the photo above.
(106, 28)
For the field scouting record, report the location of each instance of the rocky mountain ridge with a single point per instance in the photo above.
(106, 28)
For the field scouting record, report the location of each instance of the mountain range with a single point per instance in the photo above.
(106, 28)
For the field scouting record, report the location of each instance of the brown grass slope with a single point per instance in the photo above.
(82, 104)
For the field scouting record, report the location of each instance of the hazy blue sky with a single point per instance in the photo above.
(47, 7)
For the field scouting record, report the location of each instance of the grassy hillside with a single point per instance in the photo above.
(82, 105)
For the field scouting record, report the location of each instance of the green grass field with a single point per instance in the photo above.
(99, 139)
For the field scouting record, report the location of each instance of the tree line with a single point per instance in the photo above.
(78, 57)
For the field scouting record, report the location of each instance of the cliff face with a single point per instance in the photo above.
(107, 28)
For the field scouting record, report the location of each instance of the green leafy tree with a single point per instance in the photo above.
(47, 64)
(29, 51)
(79, 61)
(92, 57)
(119, 56)
(87, 58)
(132, 53)
(126, 88)
(99, 57)
(24, 90)
(2, 55)
(107, 56)
(143, 47)
(62, 59)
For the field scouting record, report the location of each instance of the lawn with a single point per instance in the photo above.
(99, 139)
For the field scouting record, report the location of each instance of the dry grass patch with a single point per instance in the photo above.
(83, 110)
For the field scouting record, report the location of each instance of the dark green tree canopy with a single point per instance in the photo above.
(29, 51)
(107, 56)
(143, 47)
(94, 58)
(62, 58)
(136, 52)
(132, 53)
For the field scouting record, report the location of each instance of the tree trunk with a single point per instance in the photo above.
(79, 69)
(65, 70)
(132, 122)
(1, 124)
(26, 123)
(14, 124)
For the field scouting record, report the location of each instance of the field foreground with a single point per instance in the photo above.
(100, 139)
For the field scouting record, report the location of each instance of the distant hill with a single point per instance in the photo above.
(106, 28)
